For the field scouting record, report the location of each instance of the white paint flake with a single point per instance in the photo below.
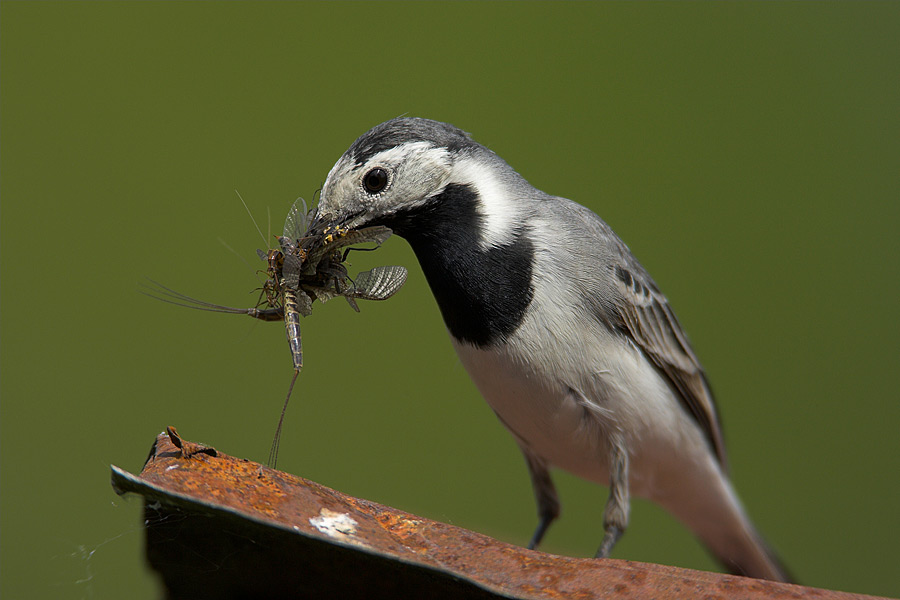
(338, 526)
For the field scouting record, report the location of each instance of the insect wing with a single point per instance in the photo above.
(291, 271)
(295, 223)
(377, 235)
(378, 284)
(304, 303)
(352, 303)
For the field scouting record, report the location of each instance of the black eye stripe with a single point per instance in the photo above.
(375, 180)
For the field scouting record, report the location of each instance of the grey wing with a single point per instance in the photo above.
(653, 326)
(646, 317)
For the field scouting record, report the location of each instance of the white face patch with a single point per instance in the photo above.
(343, 192)
(417, 171)
(495, 206)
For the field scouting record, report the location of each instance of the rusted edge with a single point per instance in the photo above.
(245, 490)
(124, 482)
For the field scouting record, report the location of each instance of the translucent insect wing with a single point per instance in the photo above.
(377, 234)
(304, 304)
(379, 283)
(295, 223)
(291, 271)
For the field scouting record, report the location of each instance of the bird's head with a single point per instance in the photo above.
(393, 168)
(402, 167)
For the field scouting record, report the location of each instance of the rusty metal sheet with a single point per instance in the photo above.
(226, 527)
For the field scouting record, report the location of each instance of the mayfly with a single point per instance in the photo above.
(308, 265)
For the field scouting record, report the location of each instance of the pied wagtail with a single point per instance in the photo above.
(564, 333)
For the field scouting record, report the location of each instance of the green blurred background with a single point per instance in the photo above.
(749, 155)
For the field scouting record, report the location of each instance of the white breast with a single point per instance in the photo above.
(564, 382)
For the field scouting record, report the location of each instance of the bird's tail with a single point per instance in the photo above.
(753, 558)
(721, 523)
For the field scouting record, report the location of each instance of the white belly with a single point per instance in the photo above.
(565, 417)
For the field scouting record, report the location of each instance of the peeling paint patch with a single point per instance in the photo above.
(339, 526)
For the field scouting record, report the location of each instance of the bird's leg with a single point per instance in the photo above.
(545, 494)
(615, 515)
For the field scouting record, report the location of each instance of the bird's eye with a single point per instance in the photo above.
(375, 180)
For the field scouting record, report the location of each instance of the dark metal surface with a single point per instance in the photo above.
(224, 527)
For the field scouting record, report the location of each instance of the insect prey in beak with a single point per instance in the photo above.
(308, 265)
